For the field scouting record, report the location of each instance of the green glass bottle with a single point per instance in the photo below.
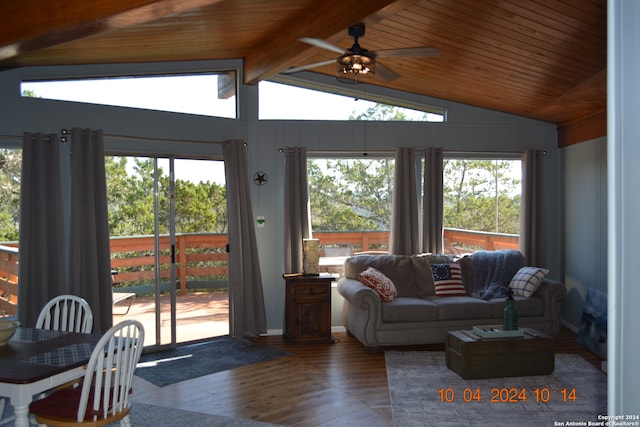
(510, 321)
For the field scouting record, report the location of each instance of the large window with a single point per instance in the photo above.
(481, 204)
(211, 94)
(351, 201)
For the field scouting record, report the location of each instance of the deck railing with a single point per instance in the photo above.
(202, 259)
(8, 280)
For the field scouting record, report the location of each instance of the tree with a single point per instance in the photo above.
(200, 207)
(481, 195)
(10, 167)
(380, 112)
(350, 194)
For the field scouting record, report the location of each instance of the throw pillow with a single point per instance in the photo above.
(527, 280)
(380, 283)
(447, 279)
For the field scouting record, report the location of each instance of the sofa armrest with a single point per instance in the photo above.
(362, 310)
(552, 292)
(359, 295)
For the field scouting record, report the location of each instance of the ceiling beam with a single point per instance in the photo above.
(38, 24)
(282, 49)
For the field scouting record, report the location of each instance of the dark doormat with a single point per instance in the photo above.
(196, 360)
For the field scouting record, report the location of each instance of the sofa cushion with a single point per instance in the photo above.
(447, 279)
(527, 280)
(407, 309)
(398, 268)
(380, 283)
(461, 308)
(422, 269)
(526, 307)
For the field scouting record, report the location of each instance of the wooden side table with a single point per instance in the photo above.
(307, 312)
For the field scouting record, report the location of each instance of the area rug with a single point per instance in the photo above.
(155, 416)
(196, 360)
(425, 392)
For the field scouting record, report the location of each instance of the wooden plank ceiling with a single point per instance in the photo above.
(542, 59)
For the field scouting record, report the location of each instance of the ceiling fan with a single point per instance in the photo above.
(357, 62)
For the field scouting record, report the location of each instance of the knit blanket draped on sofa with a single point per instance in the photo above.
(492, 272)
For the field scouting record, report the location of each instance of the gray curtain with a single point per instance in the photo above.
(42, 268)
(404, 212)
(247, 314)
(89, 249)
(432, 202)
(532, 223)
(297, 220)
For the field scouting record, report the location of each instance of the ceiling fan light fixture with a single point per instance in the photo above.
(352, 67)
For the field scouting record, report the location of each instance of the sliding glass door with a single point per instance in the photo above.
(164, 214)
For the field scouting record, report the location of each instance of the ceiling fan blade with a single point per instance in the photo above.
(323, 44)
(385, 73)
(307, 67)
(408, 52)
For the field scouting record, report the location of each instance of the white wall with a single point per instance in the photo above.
(624, 206)
(584, 168)
(467, 129)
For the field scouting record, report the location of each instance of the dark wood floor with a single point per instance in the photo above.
(319, 385)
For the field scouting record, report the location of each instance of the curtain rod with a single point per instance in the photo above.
(388, 152)
(150, 138)
(344, 152)
(62, 139)
(65, 132)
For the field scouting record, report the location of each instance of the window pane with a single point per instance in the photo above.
(351, 201)
(10, 172)
(308, 104)
(481, 204)
(203, 94)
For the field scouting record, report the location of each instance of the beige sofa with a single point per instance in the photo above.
(418, 316)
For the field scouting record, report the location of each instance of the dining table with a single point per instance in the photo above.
(37, 360)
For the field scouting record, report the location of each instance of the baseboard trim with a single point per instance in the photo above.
(275, 332)
(569, 326)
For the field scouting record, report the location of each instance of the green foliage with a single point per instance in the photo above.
(481, 195)
(385, 112)
(200, 207)
(350, 194)
(380, 112)
(10, 167)
(30, 93)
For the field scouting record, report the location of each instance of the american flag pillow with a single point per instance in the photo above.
(447, 279)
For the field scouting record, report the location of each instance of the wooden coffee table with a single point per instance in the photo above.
(472, 356)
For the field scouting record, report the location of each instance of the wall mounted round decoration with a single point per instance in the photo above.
(260, 178)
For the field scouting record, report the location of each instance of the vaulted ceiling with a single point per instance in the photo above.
(542, 59)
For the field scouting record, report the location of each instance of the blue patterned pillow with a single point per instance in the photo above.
(527, 280)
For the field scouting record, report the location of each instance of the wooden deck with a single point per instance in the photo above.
(199, 315)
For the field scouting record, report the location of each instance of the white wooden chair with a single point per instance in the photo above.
(67, 313)
(103, 395)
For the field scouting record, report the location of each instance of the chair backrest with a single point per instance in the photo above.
(67, 313)
(107, 383)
